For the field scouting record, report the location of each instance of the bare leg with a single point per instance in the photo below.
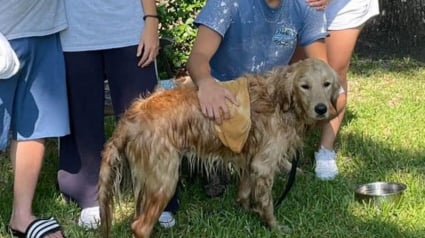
(340, 46)
(27, 159)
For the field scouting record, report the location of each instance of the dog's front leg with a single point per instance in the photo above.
(244, 190)
(262, 173)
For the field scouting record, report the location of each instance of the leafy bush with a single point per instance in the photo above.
(177, 18)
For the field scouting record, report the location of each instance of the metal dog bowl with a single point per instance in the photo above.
(378, 193)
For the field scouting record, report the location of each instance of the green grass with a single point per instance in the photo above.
(382, 139)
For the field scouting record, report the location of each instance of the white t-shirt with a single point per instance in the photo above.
(345, 14)
(102, 24)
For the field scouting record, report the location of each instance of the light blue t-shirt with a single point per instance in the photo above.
(20, 19)
(257, 38)
(102, 24)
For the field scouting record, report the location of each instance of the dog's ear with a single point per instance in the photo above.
(337, 90)
(284, 78)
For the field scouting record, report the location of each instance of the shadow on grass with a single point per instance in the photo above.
(333, 204)
(365, 66)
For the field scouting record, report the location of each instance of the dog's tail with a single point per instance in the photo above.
(110, 178)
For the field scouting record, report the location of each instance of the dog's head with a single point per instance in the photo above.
(310, 87)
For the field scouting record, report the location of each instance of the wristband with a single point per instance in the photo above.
(153, 16)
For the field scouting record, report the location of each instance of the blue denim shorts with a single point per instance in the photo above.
(33, 103)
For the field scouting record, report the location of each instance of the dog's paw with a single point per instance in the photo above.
(245, 204)
(282, 229)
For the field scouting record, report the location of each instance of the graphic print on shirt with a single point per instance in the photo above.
(285, 36)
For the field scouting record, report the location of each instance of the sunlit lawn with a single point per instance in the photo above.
(382, 139)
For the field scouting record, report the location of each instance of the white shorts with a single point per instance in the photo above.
(346, 14)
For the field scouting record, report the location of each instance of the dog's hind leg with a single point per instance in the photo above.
(152, 196)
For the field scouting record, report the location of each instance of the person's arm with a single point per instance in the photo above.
(318, 4)
(311, 41)
(148, 47)
(204, 47)
(212, 96)
(316, 49)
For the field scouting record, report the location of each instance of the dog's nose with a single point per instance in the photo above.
(320, 108)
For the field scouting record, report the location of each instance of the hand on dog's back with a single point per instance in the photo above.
(212, 99)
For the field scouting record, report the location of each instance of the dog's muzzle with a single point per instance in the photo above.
(321, 110)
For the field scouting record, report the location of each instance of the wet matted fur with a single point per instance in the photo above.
(154, 133)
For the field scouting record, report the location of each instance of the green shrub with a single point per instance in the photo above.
(177, 18)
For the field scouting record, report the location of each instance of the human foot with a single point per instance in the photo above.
(39, 227)
(89, 218)
(326, 167)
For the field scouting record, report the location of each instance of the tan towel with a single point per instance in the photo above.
(234, 131)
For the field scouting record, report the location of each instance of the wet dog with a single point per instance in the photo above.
(154, 133)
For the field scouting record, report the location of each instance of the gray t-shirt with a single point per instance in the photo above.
(19, 19)
(257, 38)
(102, 24)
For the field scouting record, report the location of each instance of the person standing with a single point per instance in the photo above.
(108, 40)
(345, 20)
(33, 103)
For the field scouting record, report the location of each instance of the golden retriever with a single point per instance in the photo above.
(154, 133)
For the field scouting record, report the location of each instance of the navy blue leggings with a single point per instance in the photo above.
(80, 151)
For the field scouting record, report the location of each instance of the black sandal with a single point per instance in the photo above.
(38, 228)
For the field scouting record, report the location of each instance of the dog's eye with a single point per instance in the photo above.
(326, 84)
(305, 86)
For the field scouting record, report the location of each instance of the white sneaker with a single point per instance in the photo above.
(326, 168)
(89, 218)
(167, 220)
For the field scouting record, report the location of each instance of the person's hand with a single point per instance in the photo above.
(148, 47)
(318, 4)
(212, 99)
